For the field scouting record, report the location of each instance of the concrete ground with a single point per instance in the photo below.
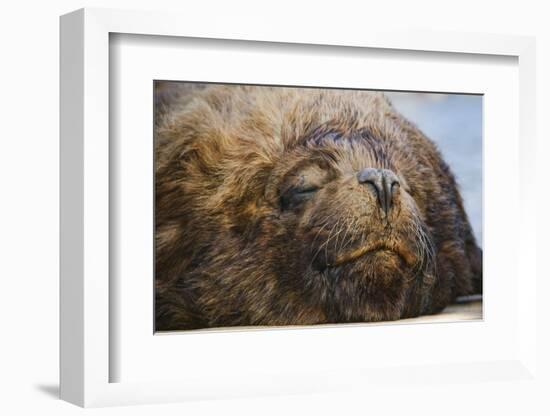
(467, 308)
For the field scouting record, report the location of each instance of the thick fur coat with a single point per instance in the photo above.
(294, 206)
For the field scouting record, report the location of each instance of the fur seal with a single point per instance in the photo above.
(299, 206)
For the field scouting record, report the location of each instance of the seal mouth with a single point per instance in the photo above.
(397, 249)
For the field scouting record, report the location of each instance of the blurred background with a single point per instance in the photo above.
(454, 123)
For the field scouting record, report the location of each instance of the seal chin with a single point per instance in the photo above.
(370, 287)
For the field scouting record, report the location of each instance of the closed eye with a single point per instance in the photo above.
(294, 197)
(306, 190)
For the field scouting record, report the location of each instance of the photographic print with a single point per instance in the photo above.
(284, 206)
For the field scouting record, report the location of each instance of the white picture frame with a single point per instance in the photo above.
(86, 355)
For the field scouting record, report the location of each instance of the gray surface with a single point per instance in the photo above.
(454, 123)
(464, 310)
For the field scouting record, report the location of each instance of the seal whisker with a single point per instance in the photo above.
(324, 244)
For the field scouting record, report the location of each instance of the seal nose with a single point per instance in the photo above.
(384, 183)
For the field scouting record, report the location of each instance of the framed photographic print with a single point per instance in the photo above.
(277, 212)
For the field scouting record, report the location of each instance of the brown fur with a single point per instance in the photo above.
(241, 241)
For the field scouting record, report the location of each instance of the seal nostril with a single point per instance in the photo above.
(377, 191)
(373, 186)
(394, 186)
